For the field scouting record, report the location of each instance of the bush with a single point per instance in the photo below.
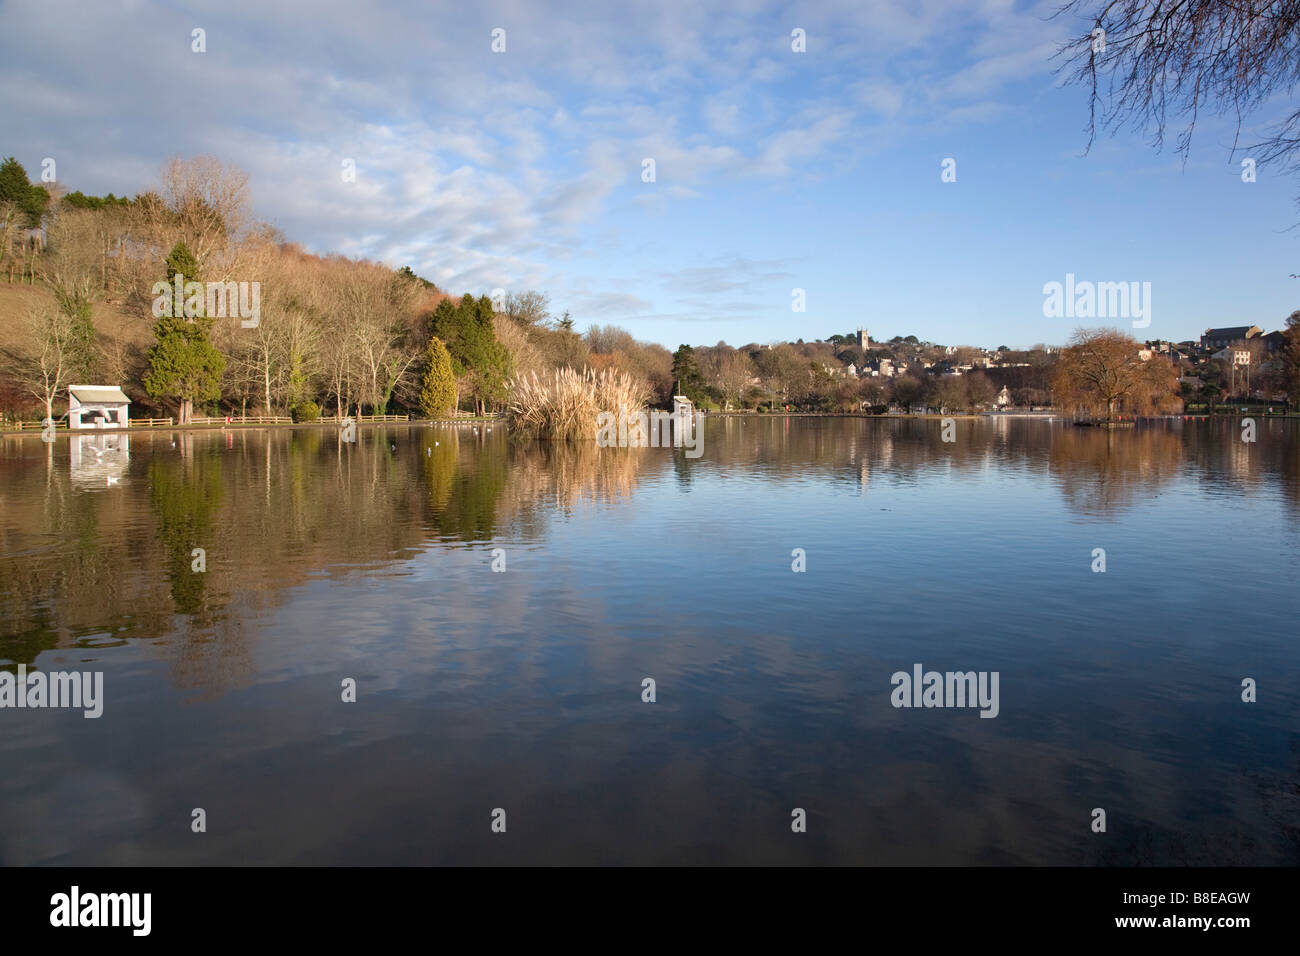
(306, 412)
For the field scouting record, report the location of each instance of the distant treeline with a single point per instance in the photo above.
(343, 336)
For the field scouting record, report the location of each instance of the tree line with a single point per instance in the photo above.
(349, 336)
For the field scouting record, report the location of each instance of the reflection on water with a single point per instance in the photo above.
(323, 560)
(98, 460)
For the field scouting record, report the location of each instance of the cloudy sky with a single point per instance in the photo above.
(774, 170)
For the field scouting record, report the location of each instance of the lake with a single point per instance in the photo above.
(499, 606)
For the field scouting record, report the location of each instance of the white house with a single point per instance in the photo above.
(97, 406)
(1232, 356)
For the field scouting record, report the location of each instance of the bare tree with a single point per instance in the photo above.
(1103, 370)
(527, 308)
(730, 372)
(209, 200)
(52, 358)
(608, 339)
(1162, 61)
(373, 307)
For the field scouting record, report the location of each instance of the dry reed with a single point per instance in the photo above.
(564, 407)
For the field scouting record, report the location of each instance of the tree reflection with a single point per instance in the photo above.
(274, 509)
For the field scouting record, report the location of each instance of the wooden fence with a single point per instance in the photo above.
(63, 426)
(241, 420)
(205, 420)
(285, 420)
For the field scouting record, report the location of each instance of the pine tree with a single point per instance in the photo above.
(438, 389)
(180, 261)
(489, 359)
(468, 331)
(27, 198)
(184, 365)
(445, 324)
(14, 186)
(686, 374)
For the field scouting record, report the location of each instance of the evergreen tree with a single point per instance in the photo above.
(13, 182)
(180, 261)
(488, 359)
(37, 202)
(184, 365)
(438, 389)
(686, 374)
(30, 200)
(471, 340)
(445, 324)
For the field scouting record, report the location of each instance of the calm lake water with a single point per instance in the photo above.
(522, 690)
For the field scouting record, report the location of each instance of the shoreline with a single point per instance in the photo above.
(967, 416)
(233, 426)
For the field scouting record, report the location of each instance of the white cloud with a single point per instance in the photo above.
(476, 167)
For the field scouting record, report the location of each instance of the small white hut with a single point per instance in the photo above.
(97, 406)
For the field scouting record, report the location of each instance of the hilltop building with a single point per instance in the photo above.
(1236, 335)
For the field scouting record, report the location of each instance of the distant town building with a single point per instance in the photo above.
(1274, 342)
(1233, 335)
(1004, 397)
(864, 340)
(1232, 356)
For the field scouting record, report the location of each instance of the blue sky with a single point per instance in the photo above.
(775, 170)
